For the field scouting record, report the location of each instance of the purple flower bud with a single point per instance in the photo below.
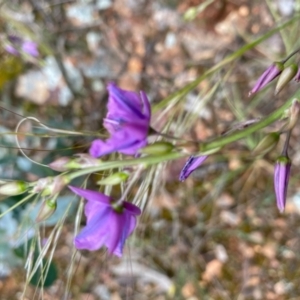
(281, 180)
(270, 74)
(191, 165)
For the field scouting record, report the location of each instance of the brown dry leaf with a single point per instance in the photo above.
(213, 269)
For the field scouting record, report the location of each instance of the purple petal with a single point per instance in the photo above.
(99, 148)
(260, 80)
(96, 232)
(91, 195)
(30, 48)
(131, 208)
(117, 225)
(191, 165)
(128, 227)
(146, 105)
(270, 74)
(10, 49)
(126, 141)
(125, 103)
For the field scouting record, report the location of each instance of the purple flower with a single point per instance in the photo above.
(281, 180)
(270, 74)
(107, 223)
(191, 165)
(20, 45)
(127, 121)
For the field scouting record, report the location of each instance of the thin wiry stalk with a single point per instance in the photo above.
(71, 272)
(142, 195)
(53, 236)
(17, 204)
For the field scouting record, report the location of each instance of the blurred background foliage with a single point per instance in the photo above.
(216, 236)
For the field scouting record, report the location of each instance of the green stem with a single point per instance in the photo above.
(203, 146)
(224, 140)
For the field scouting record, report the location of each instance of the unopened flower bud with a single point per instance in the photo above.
(285, 77)
(191, 165)
(294, 112)
(266, 144)
(13, 188)
(297, 76)
(50, 185)
(82, 161)
(114, 179)
(157, 148)
(47, 209)
(281, 180)
(269, 75)
(60, 164)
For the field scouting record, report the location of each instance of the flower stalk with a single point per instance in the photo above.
(204, 147)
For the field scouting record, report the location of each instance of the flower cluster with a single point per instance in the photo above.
(277, 69)
(109, 222)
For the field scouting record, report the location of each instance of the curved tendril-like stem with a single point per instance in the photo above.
(18, 144)
(45, 127)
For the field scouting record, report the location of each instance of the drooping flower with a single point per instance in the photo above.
(18, 45)
(127, 121)
(281, 180)
(269, 75)
(191, 165)
(107, 224)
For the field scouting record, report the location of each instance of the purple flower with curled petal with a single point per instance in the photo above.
(191, 165)
(107, 223)
(281, 180)
(20, 45)
(127, 121)
(269, 75)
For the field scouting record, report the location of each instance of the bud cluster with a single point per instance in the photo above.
(278, 69)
